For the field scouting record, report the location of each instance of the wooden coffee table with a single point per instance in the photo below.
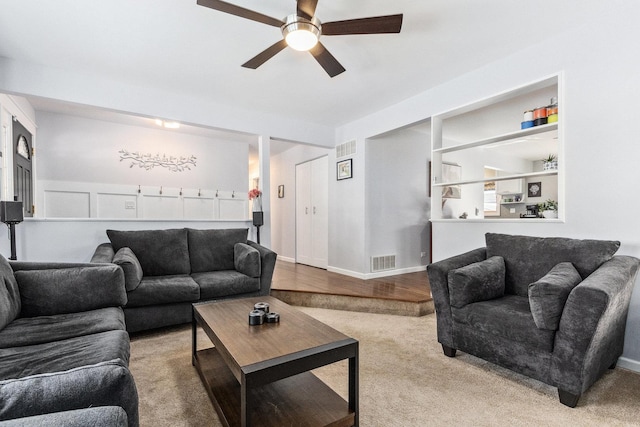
(259, 375)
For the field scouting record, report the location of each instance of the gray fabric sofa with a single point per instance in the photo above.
(63, 344)
(166, 271)
(553, 309)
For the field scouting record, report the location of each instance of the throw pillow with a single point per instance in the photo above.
(10, 304)
(247, 260)
(548, 295)
(126, 259)
(480, 281)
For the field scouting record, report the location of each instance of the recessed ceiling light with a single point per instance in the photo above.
(168, 125)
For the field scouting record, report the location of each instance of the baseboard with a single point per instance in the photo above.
(386, 273)
(286, 259)
(346, 272)
(630, 364)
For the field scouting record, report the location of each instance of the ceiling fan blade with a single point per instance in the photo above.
(240, 11)
(265, 55)
(326, 60)
(374, 25)
(307, 8)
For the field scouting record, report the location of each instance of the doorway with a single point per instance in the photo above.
(312, 216)
(22, 167)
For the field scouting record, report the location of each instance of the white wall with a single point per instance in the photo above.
(283, 210)
(73, 148)
(600, 154)
(398, 205)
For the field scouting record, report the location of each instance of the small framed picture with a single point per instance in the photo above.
(344, 169)
(534, 189)
(280, 191)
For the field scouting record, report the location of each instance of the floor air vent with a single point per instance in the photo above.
(381, 263)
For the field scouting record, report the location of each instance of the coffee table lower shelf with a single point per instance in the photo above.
(300, 400)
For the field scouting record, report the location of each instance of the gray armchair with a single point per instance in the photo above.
(553, 309)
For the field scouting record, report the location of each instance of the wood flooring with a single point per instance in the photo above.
(405, 294)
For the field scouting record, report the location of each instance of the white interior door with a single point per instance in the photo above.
(303, 214)
(312, 219)
(319, 212)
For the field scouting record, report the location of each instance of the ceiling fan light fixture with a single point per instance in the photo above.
(301, 34)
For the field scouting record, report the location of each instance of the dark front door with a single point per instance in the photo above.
(22, 176)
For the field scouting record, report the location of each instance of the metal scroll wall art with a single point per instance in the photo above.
(150, 161)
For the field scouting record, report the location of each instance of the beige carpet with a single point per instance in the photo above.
(405, 380)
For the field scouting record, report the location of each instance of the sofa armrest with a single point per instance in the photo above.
(438, 281)
(104, 253)
(590, 337)
(268, 260)
(69, 289)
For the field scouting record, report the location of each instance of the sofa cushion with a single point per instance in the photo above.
(160, 252)
(20, 362)
(102, 384)
(475, 282)
(42, 329)
(216, 284)
(527, 258)
(247, 260)
(69, 290)
(213, 250)
(508, 317)
(548, 295)
(163, 290)
(126, 259)
(10, 304)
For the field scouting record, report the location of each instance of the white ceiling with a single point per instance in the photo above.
(196, 51)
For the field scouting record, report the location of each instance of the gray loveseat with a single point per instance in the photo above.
(166, 271)
(64, 350)
(553, 309)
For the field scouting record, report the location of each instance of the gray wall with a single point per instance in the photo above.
(397, 197)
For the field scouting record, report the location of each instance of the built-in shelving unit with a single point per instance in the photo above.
(486, 135)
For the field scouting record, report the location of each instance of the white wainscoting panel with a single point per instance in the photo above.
(232, 208)
(62, 199)
(198, 208)
(67, 204)
(122, 206)
(161, 207)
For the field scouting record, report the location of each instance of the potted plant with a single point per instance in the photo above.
(549, 208)
(550, 163)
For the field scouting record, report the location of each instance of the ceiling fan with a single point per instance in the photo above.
(302, 31)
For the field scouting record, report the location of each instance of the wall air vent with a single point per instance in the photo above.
(384, 262)
(346, 149)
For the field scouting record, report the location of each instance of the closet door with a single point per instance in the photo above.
(319, 212)
(303, 213)
(312, 219)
